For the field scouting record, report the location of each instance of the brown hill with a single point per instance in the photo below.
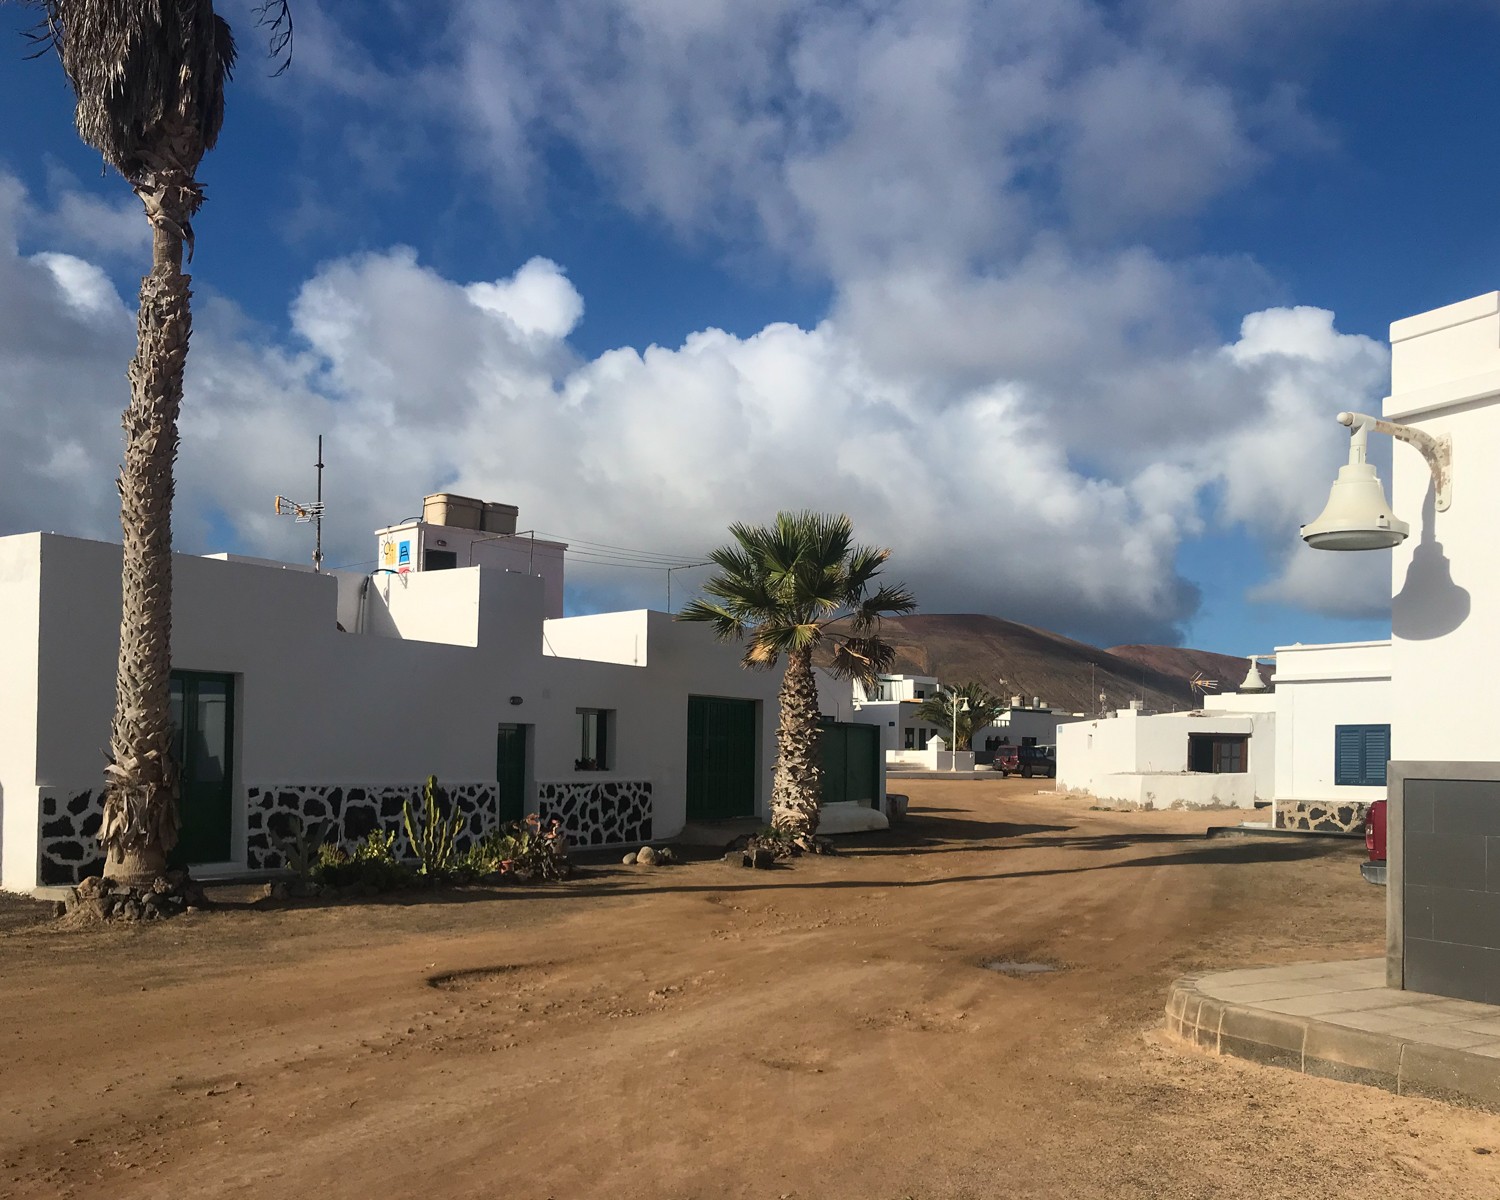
(1015, 659)
(1228, 669)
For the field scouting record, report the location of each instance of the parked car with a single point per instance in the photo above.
(1373, 868)
(1026, 761)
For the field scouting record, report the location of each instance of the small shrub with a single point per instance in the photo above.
(370, 864)
(523, 850)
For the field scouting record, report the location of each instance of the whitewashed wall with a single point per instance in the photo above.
(1319, 688)
(319, 707)
(19, 618)
(1134, 758)
(1445, 579)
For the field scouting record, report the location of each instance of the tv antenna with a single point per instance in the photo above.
(1200, 685)
(302, 514)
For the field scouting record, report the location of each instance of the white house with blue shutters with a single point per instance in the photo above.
(1313, 750)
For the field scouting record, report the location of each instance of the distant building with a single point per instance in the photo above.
(1314, 750)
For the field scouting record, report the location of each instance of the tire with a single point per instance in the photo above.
(1025, 772)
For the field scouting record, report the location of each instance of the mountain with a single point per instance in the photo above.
(1015, 659)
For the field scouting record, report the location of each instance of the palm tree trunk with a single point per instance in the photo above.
(140, 802)
(797, 787)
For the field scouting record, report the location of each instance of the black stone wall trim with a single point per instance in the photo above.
(613, 813)
(616, 813)
(356, 810)
(68, 848)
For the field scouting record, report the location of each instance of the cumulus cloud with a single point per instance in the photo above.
(1013, 347)
(420, 382)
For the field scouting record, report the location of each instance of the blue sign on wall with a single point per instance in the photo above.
(403, 554)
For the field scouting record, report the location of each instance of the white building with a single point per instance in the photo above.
(891, 703)
(1444, 786)
(1025, 724)
(1314, 749)
(332, 696)
(1200, 758)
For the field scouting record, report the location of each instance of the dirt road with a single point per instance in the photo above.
(823, 1031)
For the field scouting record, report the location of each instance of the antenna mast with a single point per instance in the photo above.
(305, 513)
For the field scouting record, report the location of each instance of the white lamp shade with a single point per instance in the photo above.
(1356, 516)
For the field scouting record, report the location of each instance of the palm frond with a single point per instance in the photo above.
(781, 585)
(862, 658)
(727, 624)
(888, 601)
(276, 18)
(148, 78)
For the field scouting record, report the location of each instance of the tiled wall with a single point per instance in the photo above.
(1451, 888)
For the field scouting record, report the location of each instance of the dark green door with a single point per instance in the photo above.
(720, 758)
(203, 721)
(510, 771)
(851, 762)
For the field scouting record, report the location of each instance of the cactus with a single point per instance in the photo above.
(432, 836)
(301, 844)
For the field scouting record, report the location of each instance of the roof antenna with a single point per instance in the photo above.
(304, 513)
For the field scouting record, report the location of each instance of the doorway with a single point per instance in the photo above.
(721, 758)
(203, 743)
(512, 768)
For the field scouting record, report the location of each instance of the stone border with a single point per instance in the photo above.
(1314, 1047)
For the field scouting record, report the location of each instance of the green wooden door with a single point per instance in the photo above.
(851, 763)
(203, 725)
(510, 771)
(720, 758)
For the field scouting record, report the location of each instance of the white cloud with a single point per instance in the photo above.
(1006, 354)
(420, 382)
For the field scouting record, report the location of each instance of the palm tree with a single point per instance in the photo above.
(149, 77)
(781, 587)
(984, 707)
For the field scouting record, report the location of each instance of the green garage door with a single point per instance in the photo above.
(851, 763)
(720, 758)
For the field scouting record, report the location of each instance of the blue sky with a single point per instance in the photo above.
(1057, 298)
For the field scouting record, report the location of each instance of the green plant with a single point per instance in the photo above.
(370, 864)
(522, 850)
(433, 836)
(302, 845)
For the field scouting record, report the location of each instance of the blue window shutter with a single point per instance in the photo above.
(1377, 754)
(1360, 754)
(1348, 755)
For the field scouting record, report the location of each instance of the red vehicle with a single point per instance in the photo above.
(1373, 869)
(1026, 761)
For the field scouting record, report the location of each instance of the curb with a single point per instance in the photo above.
(1313, 1047)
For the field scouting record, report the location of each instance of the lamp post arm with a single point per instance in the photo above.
(1438, 451)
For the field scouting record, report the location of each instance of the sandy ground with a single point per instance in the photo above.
(821, 1031)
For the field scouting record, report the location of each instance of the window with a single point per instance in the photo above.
(439, 560)
(594, 748)
(916, 739)
(1360, 753)
(1218, 753)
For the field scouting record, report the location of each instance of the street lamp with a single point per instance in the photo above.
(1356, 516)
(960, 704)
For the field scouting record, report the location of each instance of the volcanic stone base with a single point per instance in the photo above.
(616, 813)
(355, 811)
(69, 850)
(1313, 817)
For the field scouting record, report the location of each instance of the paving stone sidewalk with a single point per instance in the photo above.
(1339, 1020)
